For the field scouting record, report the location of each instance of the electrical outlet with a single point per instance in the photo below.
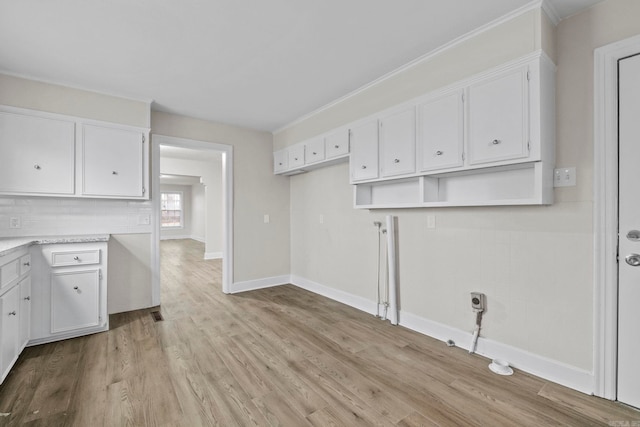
(431, 221)
(144, 219)
(14, 222)
(564, 177)
(478, 301)
(321, 219)
(267, 219)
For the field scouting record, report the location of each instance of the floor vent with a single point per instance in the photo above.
(157, 316)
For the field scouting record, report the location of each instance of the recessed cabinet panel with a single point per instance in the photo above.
(74, 300)
(296, 156)
(397, 143)
(38, 154)
(337, 144)
(112, 162)
(314, 151)
(9, 272)
(364, 151)
(499, 118)
(441, 132)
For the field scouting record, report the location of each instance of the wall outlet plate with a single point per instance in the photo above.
(564, 177)
(15, 222)
(478, 301)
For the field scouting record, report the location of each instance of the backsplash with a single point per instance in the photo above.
(42, 216)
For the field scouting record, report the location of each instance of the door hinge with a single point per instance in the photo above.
(144, 190)
(463, 156)
(529, 145)
(100, 274)
(462, 96)
(143, 138)
(528, 75)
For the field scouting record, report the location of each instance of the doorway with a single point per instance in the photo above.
(610, 228)
(226, 156)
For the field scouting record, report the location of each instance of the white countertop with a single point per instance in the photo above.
(8, 245)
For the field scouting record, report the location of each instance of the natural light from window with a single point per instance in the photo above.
(171, 209)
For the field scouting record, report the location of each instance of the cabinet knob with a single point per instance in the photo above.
(27, 298)
(496, 142)
(314, 153)
(37, 166)
(114, 173)
(295, 158)
(13, 313)
(439, 153)
(396, 160)
(364, 166)
(280, 164)
(76, 258)
(75, 288)
(336, 146)
(26, 264)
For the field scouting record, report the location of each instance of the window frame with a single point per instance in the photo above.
(181, 210)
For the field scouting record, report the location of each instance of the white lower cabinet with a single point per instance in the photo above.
(10, 319)
(69, 298)
(25, 312)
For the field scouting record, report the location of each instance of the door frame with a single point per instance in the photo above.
(227, 214)
(605, 213)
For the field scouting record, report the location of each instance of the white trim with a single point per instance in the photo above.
(552, 13)
(227, 217)
(213, 255)
(605, 212)
(268, 282)
(351, 300)
(535, 4)
(540, 366)
(183, 236)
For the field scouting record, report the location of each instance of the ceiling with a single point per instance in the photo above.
(179, 179)
(257, 64)
(169, 151)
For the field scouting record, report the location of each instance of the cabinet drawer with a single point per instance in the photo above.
(9, 272)
(75, 300)
(67, 258)
(25, 264)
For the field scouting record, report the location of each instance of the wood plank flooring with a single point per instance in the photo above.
(278, 356)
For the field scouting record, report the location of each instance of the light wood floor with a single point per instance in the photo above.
(279, 356)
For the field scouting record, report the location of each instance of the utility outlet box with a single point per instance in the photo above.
(478, 301)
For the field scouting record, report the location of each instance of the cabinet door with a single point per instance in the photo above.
(25, 312)
(398, 143)
(280, 161)
(112, 162)
(364, 151)
(37, 153)
(499, 118)
(337, 144)
(75, 300)
(314, 150)
(9, 312)
(296, 156)
(441, 132)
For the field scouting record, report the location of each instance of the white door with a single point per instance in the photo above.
(629, 233)
(398, 143)
(364, 152)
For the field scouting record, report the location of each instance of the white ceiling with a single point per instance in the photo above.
(189, 153)
(179, 179)
(252, 63)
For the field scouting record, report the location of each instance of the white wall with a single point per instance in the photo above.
(198, 212)
(184, 232)
(211, 173)
(533, 263)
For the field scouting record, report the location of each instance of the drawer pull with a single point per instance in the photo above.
(496, 142)
(13, 313)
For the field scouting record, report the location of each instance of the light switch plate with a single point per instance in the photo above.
(14, 222)
(267, 219)
(564, 177)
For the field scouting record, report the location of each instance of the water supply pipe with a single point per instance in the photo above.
(476, 331)
(391, 257)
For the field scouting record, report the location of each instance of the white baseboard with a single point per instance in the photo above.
(540, 366)
(267, 282)
(175, 237)
(212, 255)
(197, 239)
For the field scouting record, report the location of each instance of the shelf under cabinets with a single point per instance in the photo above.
(522, 184)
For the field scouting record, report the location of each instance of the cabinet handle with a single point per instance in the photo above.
(75, 258)
(364, 166)
(336, 146)
(314, 153)
(114, 173)
(37, 166)
(439, 153)
(295, 158)
(13, 313)
(496, 142)
(27, 298)
(27, 264)
(396, 160)
(75, 288)
(279, 164)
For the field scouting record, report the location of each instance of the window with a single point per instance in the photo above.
(171, 209)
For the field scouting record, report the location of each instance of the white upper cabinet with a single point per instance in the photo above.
(46, 154)
(296, 156)
(337, 144)
(113, 162)
(37, 155)
(398, 143)
(441, 132)
(314, 151)
(364, 151)
(280, 161)
(499, 117)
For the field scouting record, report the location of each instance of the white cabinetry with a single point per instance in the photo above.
(323, 150)
(70, 297)
(280, 161)
(441, 132)
(337, 144)
(47, 154)
(314, 151)
(14, 306)
(296, 156)
(364, 151)
(37, 155)
(398, 143)
(499, 117)
(113, 162)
